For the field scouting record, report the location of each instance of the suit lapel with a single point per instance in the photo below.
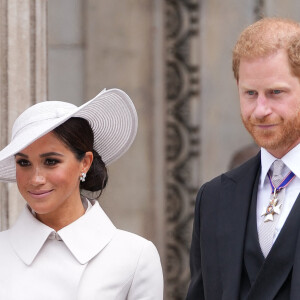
(236, 193)
(253, 256)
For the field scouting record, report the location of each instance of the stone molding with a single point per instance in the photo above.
(23, 78)
(182, 139)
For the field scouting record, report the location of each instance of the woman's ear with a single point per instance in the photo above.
(87, 161)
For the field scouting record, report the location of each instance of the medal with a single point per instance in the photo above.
(274, 207)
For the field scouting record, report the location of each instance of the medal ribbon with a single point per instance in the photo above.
(287, 180)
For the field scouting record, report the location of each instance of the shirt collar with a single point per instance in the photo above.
(266, 161)
(291, 160)
(85, 237)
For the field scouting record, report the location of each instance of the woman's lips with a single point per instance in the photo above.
(40, 193)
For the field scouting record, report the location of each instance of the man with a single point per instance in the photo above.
(246, 238)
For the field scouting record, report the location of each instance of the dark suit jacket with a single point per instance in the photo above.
(216, 259)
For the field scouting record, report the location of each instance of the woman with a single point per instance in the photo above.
(63, 246)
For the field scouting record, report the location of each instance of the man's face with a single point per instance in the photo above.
(270, 102)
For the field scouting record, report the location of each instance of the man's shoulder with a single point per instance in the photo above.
(246, 172)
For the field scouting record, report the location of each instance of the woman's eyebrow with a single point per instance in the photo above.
(41, 155)
(51, 154)
(21, 154)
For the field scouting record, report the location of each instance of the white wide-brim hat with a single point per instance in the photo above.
(111, 115)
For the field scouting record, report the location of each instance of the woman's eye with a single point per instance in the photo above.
(23, 162)
(51, 162)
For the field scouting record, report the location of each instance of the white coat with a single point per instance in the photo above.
(113, 264)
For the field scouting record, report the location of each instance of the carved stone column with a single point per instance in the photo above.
(182, 128)
(23, 78)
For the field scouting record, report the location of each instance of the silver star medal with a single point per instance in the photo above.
(272, 209)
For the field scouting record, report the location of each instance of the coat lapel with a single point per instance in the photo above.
(236, 193)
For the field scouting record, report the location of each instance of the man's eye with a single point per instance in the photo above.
(276, 92)
(23, 162)
(51, 162)
(251, 93)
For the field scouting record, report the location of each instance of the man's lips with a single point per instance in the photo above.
(265, 126)
(40, 193)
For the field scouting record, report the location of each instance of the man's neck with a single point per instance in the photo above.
(281, 152)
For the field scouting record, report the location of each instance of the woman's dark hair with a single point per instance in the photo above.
(78, 136)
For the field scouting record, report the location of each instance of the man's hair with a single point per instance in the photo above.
(264, 38)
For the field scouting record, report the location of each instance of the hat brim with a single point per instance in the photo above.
(111, 115)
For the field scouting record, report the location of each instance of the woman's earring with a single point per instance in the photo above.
(82, 177)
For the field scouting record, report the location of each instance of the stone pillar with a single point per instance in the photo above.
(65, 51)
(119, 53)
(23, 60)
(3, 107)
(182, 138)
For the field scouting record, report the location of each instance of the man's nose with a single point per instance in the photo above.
(262, 108)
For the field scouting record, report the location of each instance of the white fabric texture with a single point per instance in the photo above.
(292, 163)
(87, 260)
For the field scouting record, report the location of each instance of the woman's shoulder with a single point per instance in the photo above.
(128, 248)
(129, 263)
(130, 236)
(132, 242)
(4, 235)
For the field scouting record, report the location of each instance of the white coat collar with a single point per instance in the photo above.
(85, 237)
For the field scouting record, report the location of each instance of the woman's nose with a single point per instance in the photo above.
(38, 178)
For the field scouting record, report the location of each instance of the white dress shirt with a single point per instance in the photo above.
(292, 163)
(87, 260)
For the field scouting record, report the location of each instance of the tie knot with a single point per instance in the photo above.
(277, 175)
